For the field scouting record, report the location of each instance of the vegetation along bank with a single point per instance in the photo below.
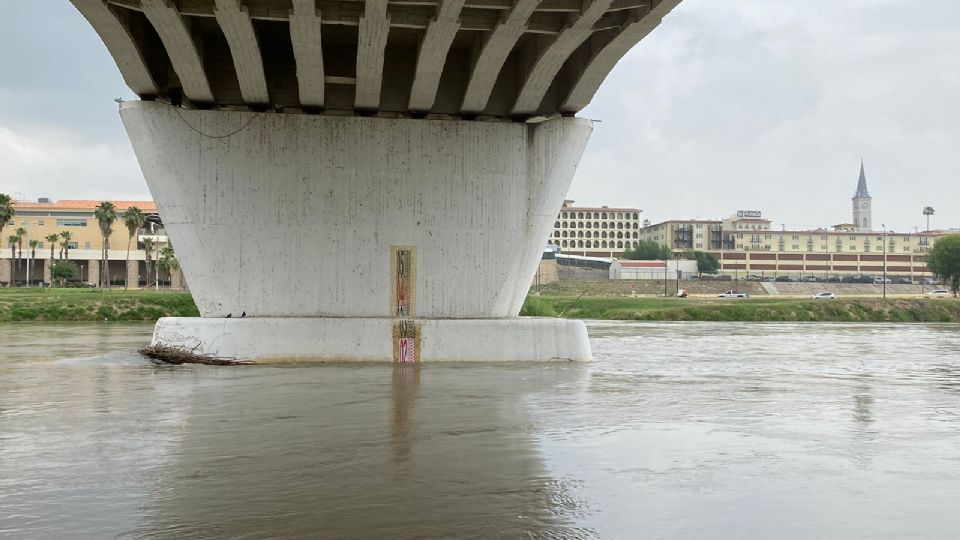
(745, 309)
(58, 304)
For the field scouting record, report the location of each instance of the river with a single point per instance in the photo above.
(676, 430)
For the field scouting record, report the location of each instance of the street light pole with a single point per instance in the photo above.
(884, 260)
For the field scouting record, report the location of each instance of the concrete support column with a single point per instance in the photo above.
(133, 274)
(47, 270)
(392, 221)
(93, 271)
(6, 271)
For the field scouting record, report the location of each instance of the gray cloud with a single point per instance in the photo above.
(766, 104)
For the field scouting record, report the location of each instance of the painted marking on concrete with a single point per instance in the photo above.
(403, 262)
(406, 341)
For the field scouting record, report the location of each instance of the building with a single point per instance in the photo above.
(596, 231)
(45, 218)
(746, 244)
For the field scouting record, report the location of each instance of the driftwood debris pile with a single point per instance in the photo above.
(165, 354)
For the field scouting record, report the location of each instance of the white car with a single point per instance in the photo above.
(937, 293)
(824, 296)
(733, 294)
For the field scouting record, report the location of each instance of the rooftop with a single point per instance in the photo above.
(83, 204)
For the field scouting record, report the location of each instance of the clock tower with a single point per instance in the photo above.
(862, 204)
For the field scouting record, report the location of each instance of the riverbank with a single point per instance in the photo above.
(135, 305)
(35, 304)
(748, 309)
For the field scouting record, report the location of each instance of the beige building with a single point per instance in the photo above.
(44, 218)
(596, 231)
(746, 244)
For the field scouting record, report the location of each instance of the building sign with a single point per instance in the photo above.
(749, 214)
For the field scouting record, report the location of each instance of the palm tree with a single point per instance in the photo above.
(12, 241)
(65, 244)
(52, 238)
(134, 219)
(148, 249)
(6, 211)
(33, 258)
(20, 232)
(168, 262)
(106, 214)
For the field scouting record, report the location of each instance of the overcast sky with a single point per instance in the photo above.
(754, 104)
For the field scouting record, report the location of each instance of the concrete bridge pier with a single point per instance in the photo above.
(359, 238)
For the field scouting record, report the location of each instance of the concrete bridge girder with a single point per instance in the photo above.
(452, 57)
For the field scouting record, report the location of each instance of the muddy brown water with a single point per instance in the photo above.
(677, 430)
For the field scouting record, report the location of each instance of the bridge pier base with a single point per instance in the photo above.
(350, 238)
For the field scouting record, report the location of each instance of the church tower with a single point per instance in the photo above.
(862, 211)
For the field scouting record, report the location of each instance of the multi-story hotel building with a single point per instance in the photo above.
(746, 244)
(596, 231)
(45, 218)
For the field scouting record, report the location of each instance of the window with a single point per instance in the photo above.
(564, 243)
(556, 224)
(86, 245)
(73, 245)
(796, 237)
(754, 238)
(40, 223)
(71, 223)
(39, 245)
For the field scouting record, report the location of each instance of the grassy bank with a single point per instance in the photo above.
(751, 309)
(21, 304)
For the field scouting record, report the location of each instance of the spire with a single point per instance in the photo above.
(862, 184)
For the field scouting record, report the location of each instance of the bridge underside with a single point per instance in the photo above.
(496, 58)
(366, 179)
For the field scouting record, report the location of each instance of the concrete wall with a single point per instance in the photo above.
(296, 215)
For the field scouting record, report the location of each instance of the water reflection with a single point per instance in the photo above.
(309, 452)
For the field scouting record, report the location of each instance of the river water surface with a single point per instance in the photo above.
(693, 430)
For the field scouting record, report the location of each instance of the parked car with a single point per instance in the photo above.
(905, 281)
(833, 279)
(866, 279)
(768, 279)
(824, 296)
(848, 279)
(937, 293)
(733, 294)
(784, 279)
(753, 277)
(928, 281)
(811, 279)
(878, 280)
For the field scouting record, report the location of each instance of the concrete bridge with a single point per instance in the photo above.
(365, 180)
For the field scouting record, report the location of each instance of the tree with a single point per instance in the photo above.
(20, 232)
(52, 239)
(648, 250)
(707, 263)
(12, 240)
(65, 244)
(134, 219)
(167, 262)
(944, 261)
(106, 214)
(148, 249)
(6, 211)
(63, 271)
(33, 257)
